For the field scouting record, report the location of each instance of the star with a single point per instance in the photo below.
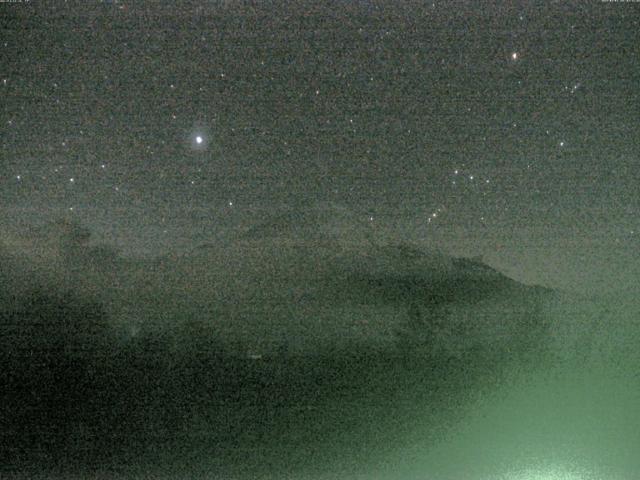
(199, 139)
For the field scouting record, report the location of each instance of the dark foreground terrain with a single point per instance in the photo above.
(77, 401)
(262, 358)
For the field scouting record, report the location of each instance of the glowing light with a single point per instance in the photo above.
(199, 140)
(550, 474)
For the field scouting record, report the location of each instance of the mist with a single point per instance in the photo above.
(273, 356)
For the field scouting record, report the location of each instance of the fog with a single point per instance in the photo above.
(273, 356)
(574, 416)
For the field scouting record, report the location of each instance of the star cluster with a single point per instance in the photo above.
(160, 125)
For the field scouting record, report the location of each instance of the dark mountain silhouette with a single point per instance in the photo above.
(305, 319)
(322, 275)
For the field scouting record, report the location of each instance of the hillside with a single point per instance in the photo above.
(280, 336)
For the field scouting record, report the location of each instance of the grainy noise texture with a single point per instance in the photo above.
(319, 240)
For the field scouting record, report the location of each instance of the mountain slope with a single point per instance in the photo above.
(340, 345)
(322, 275)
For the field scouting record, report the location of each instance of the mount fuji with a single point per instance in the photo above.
(323, 274)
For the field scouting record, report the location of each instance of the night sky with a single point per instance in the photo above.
(341, 239)
(503, 130)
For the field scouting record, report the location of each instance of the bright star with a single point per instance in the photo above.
(199, 138)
